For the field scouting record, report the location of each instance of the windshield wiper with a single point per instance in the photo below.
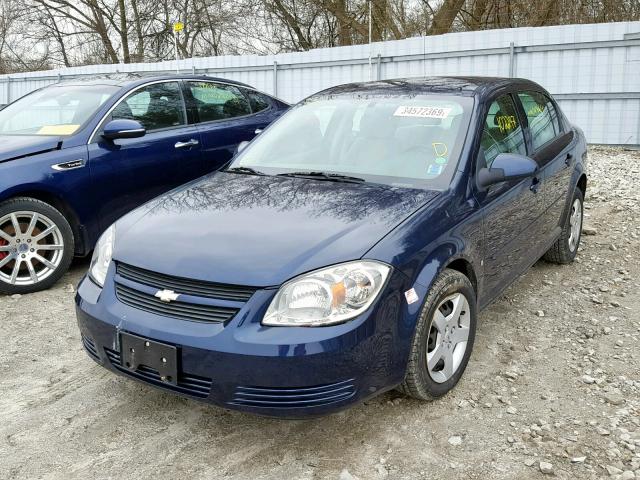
(247, 170)
(333, 177)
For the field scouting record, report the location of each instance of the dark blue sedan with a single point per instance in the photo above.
(76, 156)
(344, 252)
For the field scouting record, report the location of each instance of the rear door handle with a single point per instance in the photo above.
(191, 143)
(535, 185)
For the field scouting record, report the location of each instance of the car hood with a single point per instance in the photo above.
(260, 230)
(16, 146)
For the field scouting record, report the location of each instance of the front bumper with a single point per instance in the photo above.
(275, 371)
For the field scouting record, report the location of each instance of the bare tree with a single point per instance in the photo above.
(75, 32)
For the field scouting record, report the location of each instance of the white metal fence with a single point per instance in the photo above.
(593, 70)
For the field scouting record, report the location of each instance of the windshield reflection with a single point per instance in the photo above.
(412, 141)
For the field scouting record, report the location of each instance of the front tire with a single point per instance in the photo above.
(444, 338)
(36, 245)
(565, 249)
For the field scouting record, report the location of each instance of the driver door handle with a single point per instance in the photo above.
(191, 143)
(535, 185)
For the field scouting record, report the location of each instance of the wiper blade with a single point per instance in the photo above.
(247, 170)
(333, 177)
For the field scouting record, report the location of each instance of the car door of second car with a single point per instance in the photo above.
(225, 117)
(511, 210)
(128, 172)
(553, 149)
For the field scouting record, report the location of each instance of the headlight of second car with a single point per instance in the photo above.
(102, 256)
(327, 296)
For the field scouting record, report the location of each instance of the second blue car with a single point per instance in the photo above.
(76, 156)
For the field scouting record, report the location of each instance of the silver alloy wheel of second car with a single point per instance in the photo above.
(448, 337)
(575, 224)
(31, 248)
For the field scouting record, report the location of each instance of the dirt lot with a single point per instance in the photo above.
(553, 385)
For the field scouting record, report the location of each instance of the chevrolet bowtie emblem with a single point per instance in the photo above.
(167, 295)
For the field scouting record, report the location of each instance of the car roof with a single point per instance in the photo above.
(454, 85)
(130, 79)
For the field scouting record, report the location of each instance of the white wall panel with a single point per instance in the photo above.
(594, 69)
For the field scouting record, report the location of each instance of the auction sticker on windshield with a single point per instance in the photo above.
(423, 112)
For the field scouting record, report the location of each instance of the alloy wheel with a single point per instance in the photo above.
(31, 247)
(575, 224)
(448, 337)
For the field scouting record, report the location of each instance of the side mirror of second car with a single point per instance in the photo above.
(123, 128)
(507, 167)
(241, 146)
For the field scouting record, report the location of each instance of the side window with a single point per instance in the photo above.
(155, 106)
(214, 101)
(502, 131)
(258, 101)
(542, 117)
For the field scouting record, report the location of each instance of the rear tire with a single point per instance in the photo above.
(443, 342)
(565, 249)
(36, 245)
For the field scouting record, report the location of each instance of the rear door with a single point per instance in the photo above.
(552, 147)
(511, 210)
(225, 115)
(128, 172)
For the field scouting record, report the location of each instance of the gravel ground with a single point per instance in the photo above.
(553, 387)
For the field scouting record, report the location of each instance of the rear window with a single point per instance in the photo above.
(541, 116)
(257, 100)
(215, 101)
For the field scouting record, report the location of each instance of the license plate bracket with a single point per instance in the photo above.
(139, 351)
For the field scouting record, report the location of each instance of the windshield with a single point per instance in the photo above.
(56, 110)
(413, 142)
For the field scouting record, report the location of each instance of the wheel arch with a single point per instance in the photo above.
(60, 204)
(582, 184)
(465, 267)
(454, 257)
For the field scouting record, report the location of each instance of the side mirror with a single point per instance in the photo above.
(241, 146)
(123, 128)
(507, 167)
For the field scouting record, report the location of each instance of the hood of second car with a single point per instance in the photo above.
(260, 230)
(16, 146)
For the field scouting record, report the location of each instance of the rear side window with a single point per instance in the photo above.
(258, 101)
(155, 106)
(502, 131)
(541, 116)
(215, 101)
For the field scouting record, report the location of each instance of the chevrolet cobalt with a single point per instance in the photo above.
(344, 252)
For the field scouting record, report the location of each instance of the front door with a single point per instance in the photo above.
(128, 172)
(511, 210)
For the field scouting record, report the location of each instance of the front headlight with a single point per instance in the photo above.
(102, 256)
(327, 296)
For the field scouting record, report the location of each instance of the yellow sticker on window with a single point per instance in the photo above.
(506, 123)
(58, 129)
(535, 111)
(440, 149)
